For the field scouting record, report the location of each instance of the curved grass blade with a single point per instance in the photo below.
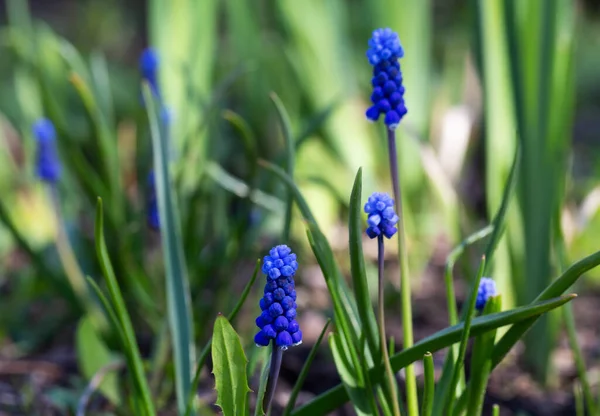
(499, 221)
(357, 263)
(120, 311)
(231, 318)
(337, 396)
(178, 294)
(229, 368)
(304, 372)
(262, 388)
(286, 127)
(315, 123)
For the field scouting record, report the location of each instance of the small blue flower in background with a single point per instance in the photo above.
(382, 218)
(388, 92)
(152, 216)
(487, 289)
(149, 68)
(277, 320)
(47, 163)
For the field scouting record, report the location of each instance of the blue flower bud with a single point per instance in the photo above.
(47, 163)
(487, 289)
(149, 68)
(278, 306)
(381, 215)
(284, 340)
(383, 53)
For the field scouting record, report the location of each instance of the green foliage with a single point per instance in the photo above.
(229, 368)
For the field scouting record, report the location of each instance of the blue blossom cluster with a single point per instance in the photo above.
(277, 320)
(152, 214)
(388, 92)
(487, 289)
(47, 163)
(149, 68)
(382, 218)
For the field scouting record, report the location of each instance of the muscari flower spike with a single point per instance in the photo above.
(152, 214)
(149, 68)
(47, 163)
(277, 320)
(487, 289)
(382, 218)
(388, 92)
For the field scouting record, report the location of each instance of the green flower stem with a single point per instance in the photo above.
(428, 390)
(381, 318)
(276, 357)
(407, 326)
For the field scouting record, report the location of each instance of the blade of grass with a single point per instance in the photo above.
(304, 372)
(289, 147)
(178, 294)
(122, 315)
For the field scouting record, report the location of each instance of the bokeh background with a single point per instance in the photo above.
(76, 62)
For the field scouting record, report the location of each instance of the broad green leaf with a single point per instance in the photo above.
(229, 368)
(337, 396)
(93, 355)
(178, 293)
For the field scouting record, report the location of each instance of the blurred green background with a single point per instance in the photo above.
(471, 85)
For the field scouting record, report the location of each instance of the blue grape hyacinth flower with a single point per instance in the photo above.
(277, 320)
(382, 218)
(152, 215)
(47, 162)
(487, 289)
(388, 92)
(149, 63)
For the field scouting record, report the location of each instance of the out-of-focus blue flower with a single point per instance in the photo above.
(277, 320)
(487, 289)
(382, 218)
(152, 215)
(149, 68)
(388, 92)
(47, 163)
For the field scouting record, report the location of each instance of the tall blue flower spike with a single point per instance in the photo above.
(149, 68)
(487, 289)
(382, 218)
(388, 92)
(152, 215)
(47, 163)
(277, 320)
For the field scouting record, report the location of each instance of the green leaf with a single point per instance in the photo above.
(357, 263)
(92, 355)
(178, 293)
(229, 368)
(262, 388)
(429, 387)
(134, 358)
(337, 396)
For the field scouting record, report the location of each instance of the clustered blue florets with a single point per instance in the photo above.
(149, 68)
(382, 218)
(388, 92)
(487, 289)
(277, 320)
(152, 215)
(47, 163)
